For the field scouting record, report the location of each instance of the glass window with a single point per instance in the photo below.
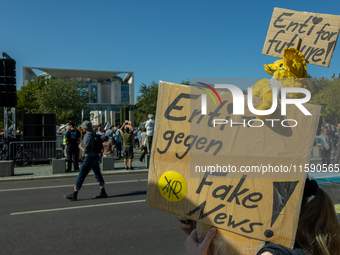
(94, 93)
(125, 87)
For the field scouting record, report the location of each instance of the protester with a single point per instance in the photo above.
(143, 142)
(101, 132)
(138, 137)
(64, 131)
(323, 141)
(72, 137)
(91, 161)
(333, 136)
(108, 147)
(127, 136)
(118, 140)
(135, 135)
(110, 133)
(337, 158)
(318, 231)
(150, 126)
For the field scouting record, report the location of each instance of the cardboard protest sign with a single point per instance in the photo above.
(319, 33)
(220, 176)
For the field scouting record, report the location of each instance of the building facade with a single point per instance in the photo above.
(109, 91)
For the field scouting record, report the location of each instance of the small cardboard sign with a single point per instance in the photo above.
(232, 194)
(319, 33)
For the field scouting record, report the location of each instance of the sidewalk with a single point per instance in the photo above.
(44, 171)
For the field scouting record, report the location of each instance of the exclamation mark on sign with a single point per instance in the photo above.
(282, 191)
(329, 48)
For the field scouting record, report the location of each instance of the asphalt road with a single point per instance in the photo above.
(36, 219)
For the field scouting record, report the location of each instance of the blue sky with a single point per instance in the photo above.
(157, 40)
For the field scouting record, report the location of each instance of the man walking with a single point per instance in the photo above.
(150, 126)
(91, 161)
(72, 140)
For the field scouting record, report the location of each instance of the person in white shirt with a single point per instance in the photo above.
(143, 142)
(150, 126)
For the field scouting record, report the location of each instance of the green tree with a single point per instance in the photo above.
(26, 99)
(146, 102)
(326, 95)
(64, 98)
(187, 82)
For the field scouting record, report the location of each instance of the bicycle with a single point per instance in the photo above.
(23, 157)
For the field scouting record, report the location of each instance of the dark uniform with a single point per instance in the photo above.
(72, 137)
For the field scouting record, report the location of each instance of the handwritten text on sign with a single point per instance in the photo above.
(319, 33)
(260, 208)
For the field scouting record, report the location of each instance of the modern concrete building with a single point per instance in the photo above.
(109, 90)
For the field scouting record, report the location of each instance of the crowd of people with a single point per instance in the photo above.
(10, 134)
(103, 140)
(327, 139)
(118, 141)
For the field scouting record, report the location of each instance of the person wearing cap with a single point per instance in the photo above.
(91, 161)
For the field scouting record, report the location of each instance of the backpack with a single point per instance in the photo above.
(98, 143)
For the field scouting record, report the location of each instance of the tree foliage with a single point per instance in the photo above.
(64, 98)
(146, 102)
(187, 82)
(326, 92)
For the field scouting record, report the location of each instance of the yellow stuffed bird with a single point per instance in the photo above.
(293, 65)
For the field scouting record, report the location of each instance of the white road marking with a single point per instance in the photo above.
(78, 207)
(70, 185)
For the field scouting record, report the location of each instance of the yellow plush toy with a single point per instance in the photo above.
(293, 65)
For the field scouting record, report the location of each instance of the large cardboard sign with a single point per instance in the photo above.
(240, 177)
(319, 33)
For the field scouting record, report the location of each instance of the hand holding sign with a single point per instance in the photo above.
(193, 247)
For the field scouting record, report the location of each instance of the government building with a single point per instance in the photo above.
(109, 91)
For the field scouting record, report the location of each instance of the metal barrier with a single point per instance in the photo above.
(44, 150)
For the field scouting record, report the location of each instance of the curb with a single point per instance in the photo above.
(110, 172)
(71, 175)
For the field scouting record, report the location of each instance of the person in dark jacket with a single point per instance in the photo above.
(91, 161)
(72, 137)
